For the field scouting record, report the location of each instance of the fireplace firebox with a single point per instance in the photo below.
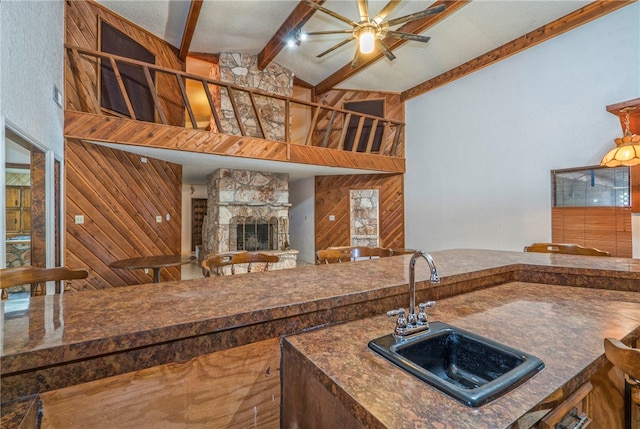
(256, 234)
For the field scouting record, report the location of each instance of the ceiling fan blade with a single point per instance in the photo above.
(408, 36)
(316, 33)
(417, 15)
(386, 51)
(331, 13)
(334, 47)
(385, 11)
(357, 58)
(363, 8)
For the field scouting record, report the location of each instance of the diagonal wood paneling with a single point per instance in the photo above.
(120, 198)
(87, 126)
(332, 197)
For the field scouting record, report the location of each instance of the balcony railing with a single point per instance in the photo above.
(229, 108)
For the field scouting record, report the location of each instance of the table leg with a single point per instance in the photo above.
(156, 275)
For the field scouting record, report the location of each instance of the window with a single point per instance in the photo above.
(368, 107)
(591, 187)
(115, 42)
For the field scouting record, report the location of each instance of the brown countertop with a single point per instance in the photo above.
(563, 326)
(75, 327)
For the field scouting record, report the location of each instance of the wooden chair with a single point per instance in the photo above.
(568, 249)
(215, 263)
(35, 276)
(359, 252)
(333, 255)
(395, 252)
(627, 359)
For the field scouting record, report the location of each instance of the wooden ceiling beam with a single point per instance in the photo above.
(555, 28)
(416, 27)
(288, 29)
(190, 28)
(212, 58)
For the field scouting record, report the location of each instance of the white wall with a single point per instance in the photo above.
(301, 219)
(199, 191)
(480, 149)
(31, 53)
(32, 34)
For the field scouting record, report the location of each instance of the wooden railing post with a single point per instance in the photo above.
(212, 105)
(154, 95)
(183, 91)
(127, 101)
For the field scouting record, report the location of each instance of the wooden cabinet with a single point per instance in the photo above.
(573, 412)
(18, 210)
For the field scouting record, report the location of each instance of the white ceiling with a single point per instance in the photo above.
(247, 25)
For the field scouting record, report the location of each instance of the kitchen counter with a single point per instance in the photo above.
(60, 340)
(563, 326)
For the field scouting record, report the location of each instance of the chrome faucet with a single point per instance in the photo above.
(414, 323)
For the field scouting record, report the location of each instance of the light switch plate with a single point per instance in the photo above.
(158, 219)
(332, 218)
(79, 219)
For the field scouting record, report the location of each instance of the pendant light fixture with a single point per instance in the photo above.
(627, 150)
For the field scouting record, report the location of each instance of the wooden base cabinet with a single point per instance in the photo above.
(573, 412)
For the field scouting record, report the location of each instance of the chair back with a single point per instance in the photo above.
(568, 249)
(333, 255)
(216, 262)
(400, 251)
(359, 252)
(35, 276)
(627, 359)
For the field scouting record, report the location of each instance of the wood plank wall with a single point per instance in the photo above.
(332, 197)
(119, 197)
(81, 22)
(605, 228)
(234, 388)
(394, 108)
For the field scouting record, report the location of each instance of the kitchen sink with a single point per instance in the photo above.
(468, 367)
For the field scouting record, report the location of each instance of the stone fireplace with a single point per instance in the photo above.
(248, 210)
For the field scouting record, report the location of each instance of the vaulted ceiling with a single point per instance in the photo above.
(468, 35)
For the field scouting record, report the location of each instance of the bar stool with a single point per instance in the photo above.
(627, 359)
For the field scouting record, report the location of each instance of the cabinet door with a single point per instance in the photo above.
(13, 221)
(13, 196)
(26, 197)
(25, 219)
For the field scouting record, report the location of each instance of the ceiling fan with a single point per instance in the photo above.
(371, 31)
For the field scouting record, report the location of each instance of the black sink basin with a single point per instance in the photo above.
(470, 368)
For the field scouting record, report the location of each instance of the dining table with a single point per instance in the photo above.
(155, 263)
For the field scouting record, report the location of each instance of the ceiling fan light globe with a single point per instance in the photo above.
(367, 42)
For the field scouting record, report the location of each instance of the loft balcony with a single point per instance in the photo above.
(155, 107)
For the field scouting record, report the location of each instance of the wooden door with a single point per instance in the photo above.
(198, 212)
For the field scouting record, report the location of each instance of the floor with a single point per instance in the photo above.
(191, 271)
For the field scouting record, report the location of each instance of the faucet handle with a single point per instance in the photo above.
(422, 315)
(402, 321)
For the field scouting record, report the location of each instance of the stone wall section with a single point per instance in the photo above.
(364, 218)
(237, 195)
(242, 70)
